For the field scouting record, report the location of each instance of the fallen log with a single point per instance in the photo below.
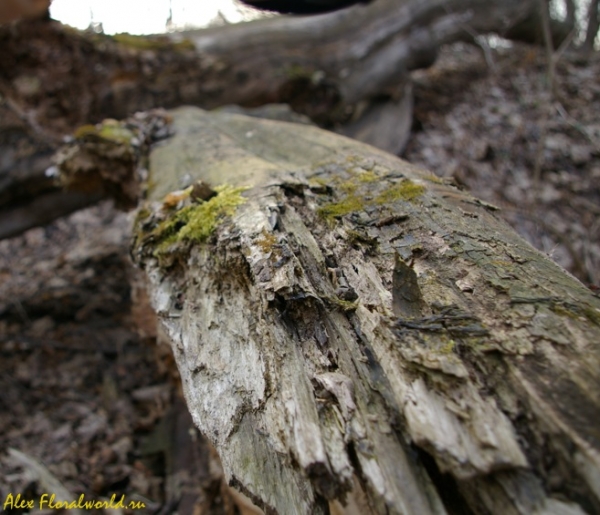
(348, 326)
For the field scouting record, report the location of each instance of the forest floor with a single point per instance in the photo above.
(496, 129)
(90, 400)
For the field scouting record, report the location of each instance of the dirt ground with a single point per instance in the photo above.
(89, 401)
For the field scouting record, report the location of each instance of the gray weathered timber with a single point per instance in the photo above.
(358, 322)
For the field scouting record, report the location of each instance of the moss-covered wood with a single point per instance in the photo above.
(358, 328)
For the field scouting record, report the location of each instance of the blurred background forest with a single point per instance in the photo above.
(89, 396)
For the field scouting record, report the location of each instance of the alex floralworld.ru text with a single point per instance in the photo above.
(48, 501)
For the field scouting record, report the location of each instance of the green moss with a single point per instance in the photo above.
(368, 176)
(337, 209)
(116, 133)
(196, 222)
(110, 130)
(592, 315)
(85, 130)
(151, 42)
(344, 305)
(433, 178)
(142, 214)
(318, 181)
(295, 71)
(575, 311)
(137, 42)
(405, 190)
(561, 310)
(349, 186)
(184, 44)
(448, 347)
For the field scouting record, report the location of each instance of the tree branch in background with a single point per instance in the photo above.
(347, 69)
(593, 24)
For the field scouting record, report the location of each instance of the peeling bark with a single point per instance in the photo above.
(357, 326)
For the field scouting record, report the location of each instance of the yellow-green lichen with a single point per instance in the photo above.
(592, 315)
(344, 305)
(354, 159)
(348, 187)
(448, 347)
(405, 190)
(317, 182)
(111, 130)
(196, 222)
(349, 205)
(296, 71)
(368, 176)
(576, 312)
(152, 42)
(433, 178)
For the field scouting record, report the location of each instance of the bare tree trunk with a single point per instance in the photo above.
(349, 325)
(532, 28)
(570, 12)
(593, 24)
(357, 53)
(319, 63)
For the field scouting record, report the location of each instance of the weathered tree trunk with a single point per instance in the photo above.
(348, 67)
(351, 325)
(593, 24)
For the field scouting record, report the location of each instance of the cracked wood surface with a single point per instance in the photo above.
(358, 326)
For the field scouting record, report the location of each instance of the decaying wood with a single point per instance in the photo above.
(356, 327)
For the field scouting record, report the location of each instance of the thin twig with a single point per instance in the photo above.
(539, 154)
